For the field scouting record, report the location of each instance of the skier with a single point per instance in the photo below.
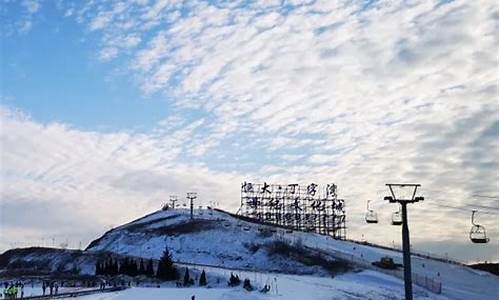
(51, 288)
(56, 287)
(14, 292)
(44, 287)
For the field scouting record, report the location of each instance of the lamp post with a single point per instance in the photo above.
(191, 196)
(173, 199)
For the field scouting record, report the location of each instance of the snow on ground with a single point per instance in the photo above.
(36, 290)
(363, 285)
(224, 242)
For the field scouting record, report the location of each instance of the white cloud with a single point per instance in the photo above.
(93, 179)
(396, 91)
(32, 6)
(108, 53)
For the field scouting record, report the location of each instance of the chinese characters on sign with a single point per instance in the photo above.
(306, 208)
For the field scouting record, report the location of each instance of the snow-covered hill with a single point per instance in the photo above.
(221, 242)
(218, 239)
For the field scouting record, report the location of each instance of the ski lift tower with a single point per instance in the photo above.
(408, 192)
(173, 199)
(191, 196)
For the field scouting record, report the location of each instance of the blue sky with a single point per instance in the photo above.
(67, 83)
(109, 108)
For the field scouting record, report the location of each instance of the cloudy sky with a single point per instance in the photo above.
(109, 107)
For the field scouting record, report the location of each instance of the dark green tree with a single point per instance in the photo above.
(150, 269)
(133, 268)
(98, 270)
(166, 269)
(203, 278)
(186, 278)
(114, 270)
(234, 280)
(142, 269)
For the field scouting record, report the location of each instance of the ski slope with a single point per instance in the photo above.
(220, 239)
(363, 285)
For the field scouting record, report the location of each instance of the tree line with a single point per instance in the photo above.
(126, 266)
(133, 267)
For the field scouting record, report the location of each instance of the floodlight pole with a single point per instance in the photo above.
(405, 232)
(173, 199)
(191, 196)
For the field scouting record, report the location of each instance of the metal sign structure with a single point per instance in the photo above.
(299, 207)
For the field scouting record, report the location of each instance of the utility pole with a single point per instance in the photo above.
(173, 199)
(191, 196)
(405, 231)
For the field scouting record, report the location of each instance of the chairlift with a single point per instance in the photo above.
(371, 215)
(397, 218)
(477, 232)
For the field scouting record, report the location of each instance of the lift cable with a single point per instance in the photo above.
(465, 209)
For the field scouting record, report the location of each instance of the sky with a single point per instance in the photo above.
(109, 107)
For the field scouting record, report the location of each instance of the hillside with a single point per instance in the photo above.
(222, 242)
(215, 238)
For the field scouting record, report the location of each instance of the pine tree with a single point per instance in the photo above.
(150, 269)
(114, 270)
(98, 268)
(234, 280)
(107, 268)
(186, 277)
(203, 278)
(166, 269)
(121, 267)
(133, 268)
(126, 266)
(142, 270)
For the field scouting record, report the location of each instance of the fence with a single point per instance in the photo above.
(427, 283)
(431, 284)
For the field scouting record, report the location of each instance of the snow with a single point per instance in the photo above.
(36, 290)
(225, 244)
(362, 285)
(222, 244)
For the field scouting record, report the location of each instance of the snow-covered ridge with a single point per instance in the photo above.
(213, 238)
(225, 241)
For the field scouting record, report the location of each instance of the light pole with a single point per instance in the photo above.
(405, 231)
(191, 196)
(173, 199)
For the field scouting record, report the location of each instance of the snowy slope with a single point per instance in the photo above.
(211, 239)
(219, 239)
(364, 285)
(49, 260)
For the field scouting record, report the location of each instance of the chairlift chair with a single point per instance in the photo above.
(371, 215)
(397, 218)
(477, 232)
